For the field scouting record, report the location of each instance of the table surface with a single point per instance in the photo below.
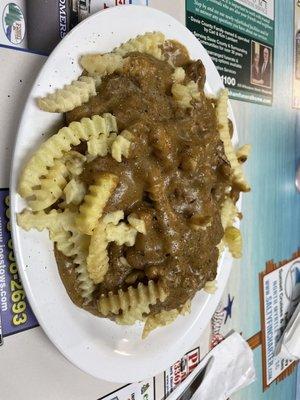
(270, 226)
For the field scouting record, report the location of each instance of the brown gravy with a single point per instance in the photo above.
(174, 179)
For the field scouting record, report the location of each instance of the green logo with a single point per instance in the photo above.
(13, 23)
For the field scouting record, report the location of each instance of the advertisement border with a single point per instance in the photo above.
(271, 267)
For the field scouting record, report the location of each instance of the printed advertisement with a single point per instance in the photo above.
(296, 80)
(137, 391)
(239, 36)
(88, 7)
(61, 16)
(180, 370)
(280, 294)
(15, 311)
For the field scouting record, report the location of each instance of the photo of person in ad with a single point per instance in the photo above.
(261, 65)
(255, 70)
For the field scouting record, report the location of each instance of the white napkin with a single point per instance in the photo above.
(230, 368)
(289, 343)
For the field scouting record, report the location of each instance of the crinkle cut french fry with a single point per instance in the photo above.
(233, 239)
(164, 318)
(94, 202)
(184, 94)
(55, 148)
(101, 64)
(132, 298)
(70, 96)
(97, 259)
(222, 117)
(149, 43)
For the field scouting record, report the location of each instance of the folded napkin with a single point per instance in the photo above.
(228, 368)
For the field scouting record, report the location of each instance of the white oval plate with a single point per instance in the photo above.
(99, 346)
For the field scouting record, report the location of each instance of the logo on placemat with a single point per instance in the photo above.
(228, 308)
(13, 23)
(292, 282)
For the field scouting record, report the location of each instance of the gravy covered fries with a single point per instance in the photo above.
(138, 190)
